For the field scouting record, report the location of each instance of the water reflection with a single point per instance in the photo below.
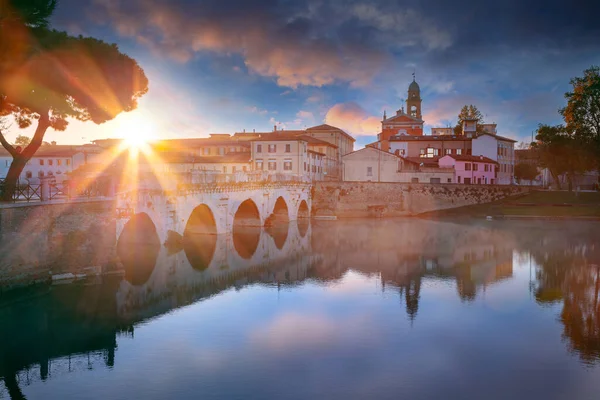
(66, 328)
(199, 249)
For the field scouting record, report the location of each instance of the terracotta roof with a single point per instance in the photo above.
(279, 136)
(317, 142)
(186, 157)
(49, 151)
(472, 158)
(328, 128)
(446, 138)
(428, 162)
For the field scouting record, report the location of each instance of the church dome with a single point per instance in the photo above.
(414, 87)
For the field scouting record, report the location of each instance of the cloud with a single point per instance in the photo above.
(353, 119)
(275, 41)
(305, 115)
(256, 110)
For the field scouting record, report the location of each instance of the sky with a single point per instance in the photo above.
(222, 66)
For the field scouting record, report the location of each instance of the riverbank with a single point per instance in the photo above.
(538, 204)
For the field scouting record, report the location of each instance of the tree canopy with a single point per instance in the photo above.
(582, 112)
(22, 140)
(525, 171)
(31, 13)
(574, 147)
(469, 112)
(48, 77)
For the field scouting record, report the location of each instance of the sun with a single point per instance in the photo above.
(136, 130)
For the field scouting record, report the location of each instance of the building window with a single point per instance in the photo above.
(232, 149)
(458, 152)
(422, 152)
(414, 180)
(314, 168)
(321, 150)
(458, 179)
(224, 169)
(304, 166)
(369, 171)
(259, 148)
(467, 166)
(475, 167)
(259, 165)
(221, 151)
(40, 174)
(467, 181)
(448, 151)
(58, 162)
(41, 162)
(233, 169)
(244, 168)
(28, 174)
(485, 168)
(432, 152)
(50, 162)
(468, 152)
(272, 165)
(288, 148)
(68, 161)
(287, 164)
(206, 151)
(449, 180)
(272, 148)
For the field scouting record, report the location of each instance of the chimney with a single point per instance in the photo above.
(274, 128)
(244, 131)
(253, 130)
(53, 143)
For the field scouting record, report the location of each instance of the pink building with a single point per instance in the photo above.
(477, 170)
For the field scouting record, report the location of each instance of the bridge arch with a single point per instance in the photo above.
(201, 220)
(200, 237)
(138, 247)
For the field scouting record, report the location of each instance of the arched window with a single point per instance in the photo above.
(28, 174)
(402, 132)
(40, 174)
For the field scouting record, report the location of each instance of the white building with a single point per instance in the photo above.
(50, 160)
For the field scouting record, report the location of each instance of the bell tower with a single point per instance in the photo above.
(413, 102)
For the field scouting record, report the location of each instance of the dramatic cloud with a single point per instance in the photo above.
(353, 119)
(512, 58)
(274, 41)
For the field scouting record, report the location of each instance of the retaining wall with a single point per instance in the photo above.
(374, 199)
(39, 239)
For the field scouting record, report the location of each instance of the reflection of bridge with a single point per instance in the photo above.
(75, 327)
(225, 204)
(280, 254)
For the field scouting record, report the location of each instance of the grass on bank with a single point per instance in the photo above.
(539, 203)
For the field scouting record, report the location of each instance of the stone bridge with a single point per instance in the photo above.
(212, 209)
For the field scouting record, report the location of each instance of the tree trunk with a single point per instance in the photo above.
(570, 181)
(556, 180)
(21, 159)
(12, 177)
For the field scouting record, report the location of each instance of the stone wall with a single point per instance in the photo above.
(37, 240)
(373, 199)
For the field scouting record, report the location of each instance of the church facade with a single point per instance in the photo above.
(404, 123)
(403, 135)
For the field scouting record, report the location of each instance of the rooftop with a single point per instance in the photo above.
(472, 158)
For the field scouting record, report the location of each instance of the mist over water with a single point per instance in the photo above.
(332, 309)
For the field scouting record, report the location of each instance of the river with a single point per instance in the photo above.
(349, 309)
